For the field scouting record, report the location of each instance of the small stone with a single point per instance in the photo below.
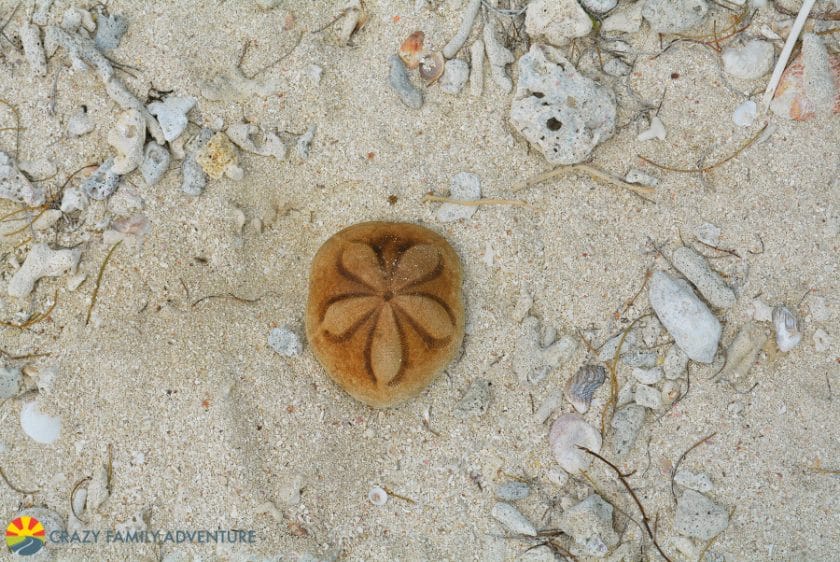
(787, 329)
(674, 16)
(73, 200)
(762, 312)
(127, 138)
(80, 123)
(708, 234)
(641, 178)
(304, 142)
(626, 424)
(39, 427)
(314, 73)
(455, 75)
(512, 491)
(285, 341)
(625, 394)
(556, 21)
(607, 352)
(513, 520)
(531, 362)
(693, 481)
(750, 61)
(499, 57)
(155, 163)
(558, 110)
(11, 382)
(699, 517)
(639, 358)
(693, 327)
(103, 182)
(822, 341)
(171, 113)
(109, 31)
(464, 186)
(477, 70)
(568, 433)
(743, 351)
(670, 392)
(42, 261)
(745, 114)
(377, 496)
(15, 187)
(401, 83)
(289, 490)
(255, 139)
(647, 376)
(648, 397)
(599, 6)
(218, 157)
(589, 523)
(627, 19)
(476, 399)
(33, 49)
(696, 269)
(656, 130)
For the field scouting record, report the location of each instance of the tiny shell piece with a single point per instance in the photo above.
(377, 496)
(580, 387)
(568, 433)
(431, 67)
(411, 49)
(787, 329)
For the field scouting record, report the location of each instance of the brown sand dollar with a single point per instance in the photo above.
(385, 313)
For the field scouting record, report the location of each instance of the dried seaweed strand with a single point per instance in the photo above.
(592, 171)
(629, 302)
(12, 486)
(109, 474)
(622, 478)
(73, 495)
(613, 369)
(35, 318)
(818, 468)
(12, 357)
(17, 127)
(476, 203)
(682, 458)
(99, 281)
(740, 149)
(398, 496)
(27, 225)
(227, 296)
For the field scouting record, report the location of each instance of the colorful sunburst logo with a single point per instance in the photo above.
(25, 535)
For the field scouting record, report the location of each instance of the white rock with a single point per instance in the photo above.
(30, 38)
(648, 397)
(568, 432)
(745, 114)
(127, 138)
(193, 177)
(699, 517)
(512, 491)
(255, 139)
(14, 186)
(641, 178)
(627, 19)
(647, 376)
(171, 113)
(465, 186)
(558, 110)
(696, 269)
(822, 341)
(694, 481)
(787, 329)
(477, 70)
(675, 364)
(513, 520)
(109, 30)
(599, 6)
(80, 123)
(102, 183)
(762, 311)
(656, 130)
(314, 73)
(693, 327)
(42, 261)
(589, 523)
(73, 200)
(614, 66)
(818, 77)
(626, 424)
(708, 234)
(285, 341)
(455, 75)
(674, 16)
(41, 428)
(556, 21)
(155, 163)
(499, 57)
(750, 61)
(47, 219)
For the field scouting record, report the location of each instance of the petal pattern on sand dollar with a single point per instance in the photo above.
(418, 264)
(346, 315)
(360, 263)
(427, 315)
(386, 351)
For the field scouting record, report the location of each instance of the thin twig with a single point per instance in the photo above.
(227, 296)
(73, 495)
(99, 280)
(682, 458)
(476, 203)
(12, 486)
(593, 172)
(12, 357)
(743, 147)
(609, 407)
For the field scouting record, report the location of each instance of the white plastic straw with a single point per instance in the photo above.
(798, 24)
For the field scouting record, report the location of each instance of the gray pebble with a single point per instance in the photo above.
(284, 341)
(690, 322)
(103, 182)
(647, 376)
(674, 16)
(639, 358)
(696, 269)
(699, 517)
(513, 520)
(155, 163)
(648, 397)
(11, 382)
(476, 399)
(641, 178)
(589, 523)
(193, 177)
(109, 31)
(401, 83)
(598, 6)
(304, 143)
(512, 491)
(626, 424)
(694, 481)
(607, 352)
(455, 75)
(675, 364)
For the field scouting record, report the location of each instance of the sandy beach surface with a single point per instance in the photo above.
(207, 427)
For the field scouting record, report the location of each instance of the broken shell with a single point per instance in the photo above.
(580, 387)
(787, 329)
(411, 49)
(377, 496)
(431, 67)
(568, 433)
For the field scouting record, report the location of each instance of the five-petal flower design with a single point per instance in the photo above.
(387, 303)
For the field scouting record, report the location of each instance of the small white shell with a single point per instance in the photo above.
(377, 496)
(568, 432)
(787, 329)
